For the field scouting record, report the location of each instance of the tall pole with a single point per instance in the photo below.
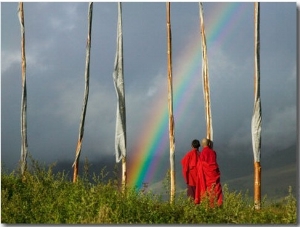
(205, 78)
(86, 93)
(170, 106)
(256, 118)
(24, 145)
(118, 77)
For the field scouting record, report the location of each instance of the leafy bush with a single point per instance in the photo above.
(42, 197)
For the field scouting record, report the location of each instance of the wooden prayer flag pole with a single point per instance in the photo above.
(170, 106)
(205, 78)
(256, 118)
(86, 93)
(24, 145)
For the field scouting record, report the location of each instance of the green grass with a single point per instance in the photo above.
(43, 197)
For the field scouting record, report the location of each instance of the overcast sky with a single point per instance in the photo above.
(55, 50)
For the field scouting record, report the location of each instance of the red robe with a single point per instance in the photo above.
(189, 167)
(208, 179)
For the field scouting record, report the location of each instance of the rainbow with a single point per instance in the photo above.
(154, 141)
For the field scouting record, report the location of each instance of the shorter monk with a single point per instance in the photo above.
(189, 168)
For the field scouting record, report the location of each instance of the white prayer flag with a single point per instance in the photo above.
(118, 77)
(256, 130)
(256, 118)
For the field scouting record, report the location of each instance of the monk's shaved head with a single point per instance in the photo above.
(204, 142)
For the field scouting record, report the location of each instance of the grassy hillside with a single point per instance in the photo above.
(275, 182)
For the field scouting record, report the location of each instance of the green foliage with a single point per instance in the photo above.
(42, 197)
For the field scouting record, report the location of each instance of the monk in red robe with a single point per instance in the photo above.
(208, 177)
(189, 168)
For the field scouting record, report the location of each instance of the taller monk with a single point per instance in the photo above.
(208, 175)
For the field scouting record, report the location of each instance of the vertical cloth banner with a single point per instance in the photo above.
(24, 145)
(118, 77)
(205, 78)
(256, 117)
(86, 91)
